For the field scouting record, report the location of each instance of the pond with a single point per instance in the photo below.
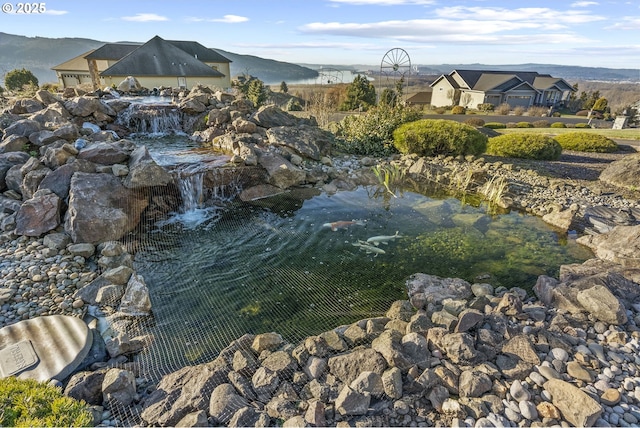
(304, 262)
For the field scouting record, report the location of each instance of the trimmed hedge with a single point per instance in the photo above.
(429, 137)
(524, 146)
(558, 125)
(586, 142)
(458, 110)
(495, 125)
(524, 125)
(582, 125)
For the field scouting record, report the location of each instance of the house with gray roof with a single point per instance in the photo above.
(156, 63)
(470, 88)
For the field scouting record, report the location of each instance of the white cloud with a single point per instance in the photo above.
(384, 2)
(628, 23)
(231, 19)
(227, 19)
(145, 17)
(56, 12)
(542, 15)
(584, 3)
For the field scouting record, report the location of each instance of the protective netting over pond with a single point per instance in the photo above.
(305, 262)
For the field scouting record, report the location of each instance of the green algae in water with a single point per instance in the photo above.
(255, 269)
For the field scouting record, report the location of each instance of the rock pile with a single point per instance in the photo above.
(453, 354)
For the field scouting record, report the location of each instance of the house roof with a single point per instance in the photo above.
(449, 79)
(489, 82)
(159, 57)
(547, 82)
(198, 51)
(423, 97)
(75, 64)
(113, 51)
(499, 80)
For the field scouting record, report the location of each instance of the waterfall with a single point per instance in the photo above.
(192, 190)
(151, 118)
(204, 193)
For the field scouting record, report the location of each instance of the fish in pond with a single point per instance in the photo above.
(382, 239)
(343, 224)
(368, 248)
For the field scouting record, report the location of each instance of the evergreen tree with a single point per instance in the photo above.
(257, 93)
(16, 79)
(283, 87)
(360, 94)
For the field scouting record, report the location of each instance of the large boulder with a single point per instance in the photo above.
(621, 245)
(182, 392)
(87, 106)
(576, 406)
(145, 172)
(22, 128)
(623, 172)
(105, 153)
(54, 114)
(281, 172)
(271, 116)
(101, 208)
(424, 289)
(307, 141)
(39, 215)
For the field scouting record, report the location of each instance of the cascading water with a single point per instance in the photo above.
(156, 119)
(202, 198)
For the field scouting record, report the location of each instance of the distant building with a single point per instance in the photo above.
(469, 88)
(155, 63)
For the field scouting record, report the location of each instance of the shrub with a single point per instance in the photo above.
(16, 80)
(518, 110)
(486, 107)
(458, 110)
(525, 146)
(586, 142)
(428, 137)
(503, 109)
(582, 125)
(293, 105)
(558, 125)
(495, 125)
(440, 110)
(31, 403)
(474, 121)
(541, 124)
(537, 111)
(524, 125)
(372, 133)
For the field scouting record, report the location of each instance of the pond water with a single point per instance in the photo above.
(280, 266)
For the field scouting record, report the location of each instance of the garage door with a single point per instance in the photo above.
(519, 100)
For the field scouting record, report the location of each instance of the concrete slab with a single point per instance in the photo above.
(44, 348)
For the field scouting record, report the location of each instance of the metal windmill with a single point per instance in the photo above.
(395, 70)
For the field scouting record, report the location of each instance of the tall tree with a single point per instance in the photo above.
(361, 94)
(257, 92)
(15, 80)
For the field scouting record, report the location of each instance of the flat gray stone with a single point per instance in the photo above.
(44, 348)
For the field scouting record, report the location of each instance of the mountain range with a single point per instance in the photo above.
(39, 54)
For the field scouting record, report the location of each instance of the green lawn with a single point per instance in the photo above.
(624, 134)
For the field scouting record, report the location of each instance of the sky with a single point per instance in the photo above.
(598, 33)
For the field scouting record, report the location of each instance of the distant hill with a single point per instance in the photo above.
(39, 54)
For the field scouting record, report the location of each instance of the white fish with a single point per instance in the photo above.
(368, 248)
(383, 239)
